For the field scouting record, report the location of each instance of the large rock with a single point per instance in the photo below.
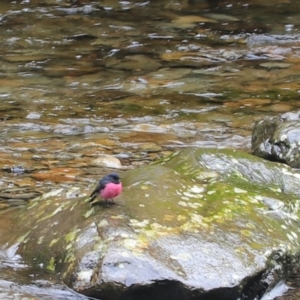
(201, 224)
(278, 139)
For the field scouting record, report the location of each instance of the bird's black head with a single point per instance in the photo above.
(115, 178)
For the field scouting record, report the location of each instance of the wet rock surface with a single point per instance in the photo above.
(294, 287)
(278, 139)
(41, 289)
(208, 223)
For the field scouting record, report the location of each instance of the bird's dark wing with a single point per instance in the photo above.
(101, 185)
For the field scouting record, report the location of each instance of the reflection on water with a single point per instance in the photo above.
(136, 80)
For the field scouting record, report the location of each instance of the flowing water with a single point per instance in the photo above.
(86, 86)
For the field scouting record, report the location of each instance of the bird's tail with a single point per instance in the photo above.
(92, 197)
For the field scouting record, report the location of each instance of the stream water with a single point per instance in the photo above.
(86, 86)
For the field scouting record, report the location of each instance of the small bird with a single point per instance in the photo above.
(108, 187)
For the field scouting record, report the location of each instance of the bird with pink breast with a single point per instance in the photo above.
(109, 187)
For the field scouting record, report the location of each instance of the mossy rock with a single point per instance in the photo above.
(202, 220)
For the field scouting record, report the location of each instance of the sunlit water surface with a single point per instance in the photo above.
(133, 80)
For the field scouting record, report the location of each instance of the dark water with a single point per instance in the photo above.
(131, 81)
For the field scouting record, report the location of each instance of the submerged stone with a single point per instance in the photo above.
(278, 139)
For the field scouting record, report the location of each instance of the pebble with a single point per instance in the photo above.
(33, 115)
(275, 65)
(108, 161)
(150, 147)
(148, 128)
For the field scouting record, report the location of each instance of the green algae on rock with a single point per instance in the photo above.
(205, 219)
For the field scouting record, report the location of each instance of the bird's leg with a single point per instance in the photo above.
(109, 201)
